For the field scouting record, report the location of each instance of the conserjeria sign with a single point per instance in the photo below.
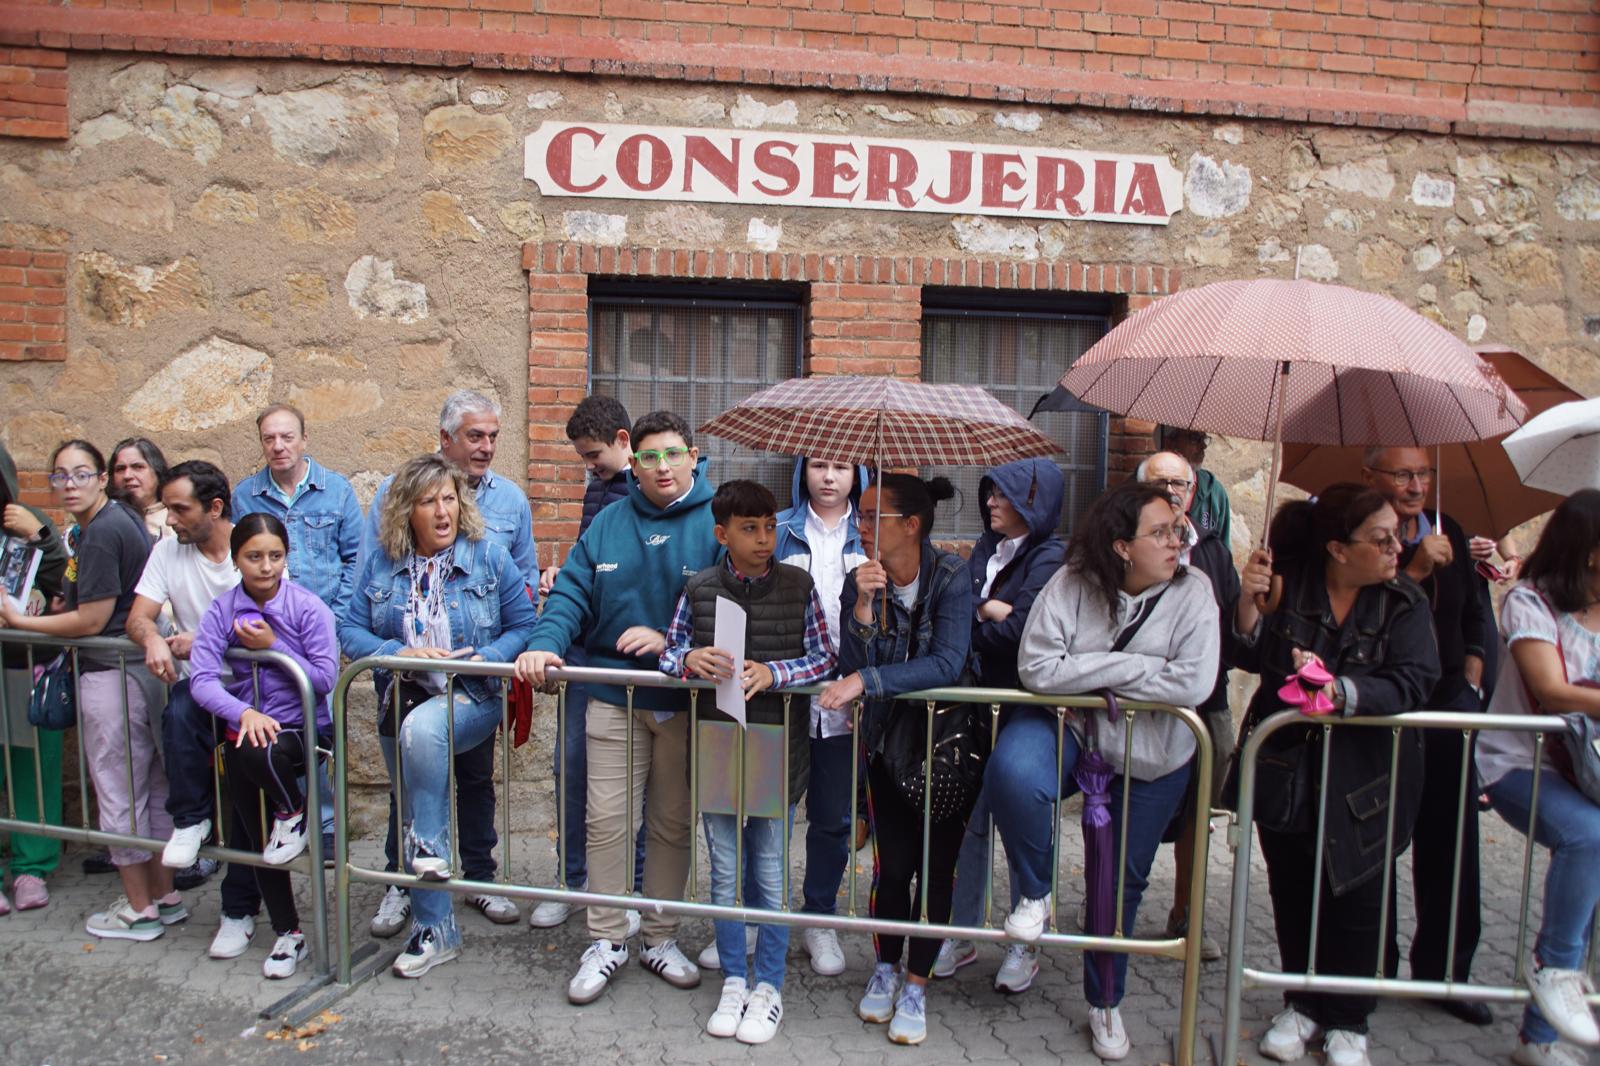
(809, 170)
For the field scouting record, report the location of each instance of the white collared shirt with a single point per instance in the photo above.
(1003, 554)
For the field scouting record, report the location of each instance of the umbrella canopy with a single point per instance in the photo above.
(1357, 368)
(882, 422)
(1477, 483)
(1059, 399)
(1559, 451)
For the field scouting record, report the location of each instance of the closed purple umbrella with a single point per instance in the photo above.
(1093, 775)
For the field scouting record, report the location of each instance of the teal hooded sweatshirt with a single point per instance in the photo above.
(628, 569)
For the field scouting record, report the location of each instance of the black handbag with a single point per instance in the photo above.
(53, 704)
(960, 750)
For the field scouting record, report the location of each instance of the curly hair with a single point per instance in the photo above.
(411, 483)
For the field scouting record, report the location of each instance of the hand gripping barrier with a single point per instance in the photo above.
(1241, 977)
(355, 966)
(130, 657)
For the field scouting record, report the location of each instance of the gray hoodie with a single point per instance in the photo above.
(1066, 649)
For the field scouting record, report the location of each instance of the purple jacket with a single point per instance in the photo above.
(304, 628)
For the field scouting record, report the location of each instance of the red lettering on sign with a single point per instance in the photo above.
(769, 162)
(1060, 184)
(827, 168)
(1144, 193)
(997, 179)
(890, 170)
(628, 158)
(1105, 186)
(960, 178)
(558, 159)
(725, 168)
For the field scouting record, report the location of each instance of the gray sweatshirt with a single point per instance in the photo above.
(1066, 649)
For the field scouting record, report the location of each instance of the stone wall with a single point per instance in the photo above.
(350, 239)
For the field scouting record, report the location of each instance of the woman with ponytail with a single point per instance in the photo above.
(1350, 636)
(918, 637)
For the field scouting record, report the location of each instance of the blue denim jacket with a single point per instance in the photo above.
(488, 604)
(898, 659)
(506, 520)
(324, 525)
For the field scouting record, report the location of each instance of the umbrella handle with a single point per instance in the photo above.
(1269, 602)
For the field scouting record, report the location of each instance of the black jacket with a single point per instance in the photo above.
(599, 494)
(1386, 650)
(1463, 621)
(1212, 558)
(1035, 488)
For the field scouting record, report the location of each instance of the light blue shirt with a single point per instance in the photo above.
(288, 499)
(323, 518)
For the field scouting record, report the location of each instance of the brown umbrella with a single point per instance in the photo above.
(1476, 477)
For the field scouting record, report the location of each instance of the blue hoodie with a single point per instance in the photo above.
(791, 546)
(627, 570)
(1035, 488)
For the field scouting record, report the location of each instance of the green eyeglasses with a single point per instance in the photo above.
(654, 457)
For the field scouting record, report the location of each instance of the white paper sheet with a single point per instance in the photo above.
(729, 636)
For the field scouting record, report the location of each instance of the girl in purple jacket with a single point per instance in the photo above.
(268, 749)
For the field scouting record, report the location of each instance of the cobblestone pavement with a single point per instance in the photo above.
(66, 998)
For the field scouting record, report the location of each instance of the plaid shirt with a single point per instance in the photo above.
(815, 665)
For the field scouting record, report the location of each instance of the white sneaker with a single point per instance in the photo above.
(497, 909)
(1106, 1034)
(1017, 969)
(1028, 920)
(1555, 1053)
(1291, 1031)
(1559, 995)
(289, 950)
(431, 868)
(634, 921)
(724, 1021)
(394, 910)
(827, 957)
(709, 959)
(288, 840)
(1341, 1047)
(233, 937)
(670, 964)
(549, 914)
(423, 952)
(877, 1003)
(599, 962)
(184, 847)
(954, 954)
(761, 1016)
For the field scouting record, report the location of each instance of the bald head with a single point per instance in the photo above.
(1172, 471)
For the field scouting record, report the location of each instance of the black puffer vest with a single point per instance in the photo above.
(775, 629)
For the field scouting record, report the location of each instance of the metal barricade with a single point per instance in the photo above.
(1241, 977)
(130, 656)
(355, 966)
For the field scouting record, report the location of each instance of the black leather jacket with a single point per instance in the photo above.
(1386, 656)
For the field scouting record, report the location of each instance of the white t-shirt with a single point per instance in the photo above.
(1524, 616)
(182, 575)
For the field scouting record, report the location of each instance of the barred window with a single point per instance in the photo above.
(1019, 356)
(697, 356)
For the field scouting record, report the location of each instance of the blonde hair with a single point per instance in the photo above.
(412, 482)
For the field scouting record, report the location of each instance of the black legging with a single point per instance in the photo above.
(897, 862)
(273, 771)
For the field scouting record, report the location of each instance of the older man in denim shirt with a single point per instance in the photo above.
(323, 517)
(469, 427)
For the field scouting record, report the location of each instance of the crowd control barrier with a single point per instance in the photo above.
(1241, 977)
(355, 965)
(14, 732)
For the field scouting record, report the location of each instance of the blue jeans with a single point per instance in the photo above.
(1022, 785)
(972, 865)
(1569, 825)
(425, 753)
(571, 752)
(828, 832)
(763, 849)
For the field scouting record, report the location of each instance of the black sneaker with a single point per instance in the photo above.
(99, 863)
(196, 875)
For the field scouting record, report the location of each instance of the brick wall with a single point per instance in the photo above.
(863, 315)
(33, 299)
(1518, 67)
(33, 92)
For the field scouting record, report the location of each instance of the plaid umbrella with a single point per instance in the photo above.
(1279, 360)
(1485, 491)
(881, 422)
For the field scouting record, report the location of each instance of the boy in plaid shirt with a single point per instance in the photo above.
(786, 637)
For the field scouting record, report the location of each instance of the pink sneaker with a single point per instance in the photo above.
(30, 892)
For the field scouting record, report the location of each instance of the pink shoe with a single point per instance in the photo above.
(5, 905)
(30, 892)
